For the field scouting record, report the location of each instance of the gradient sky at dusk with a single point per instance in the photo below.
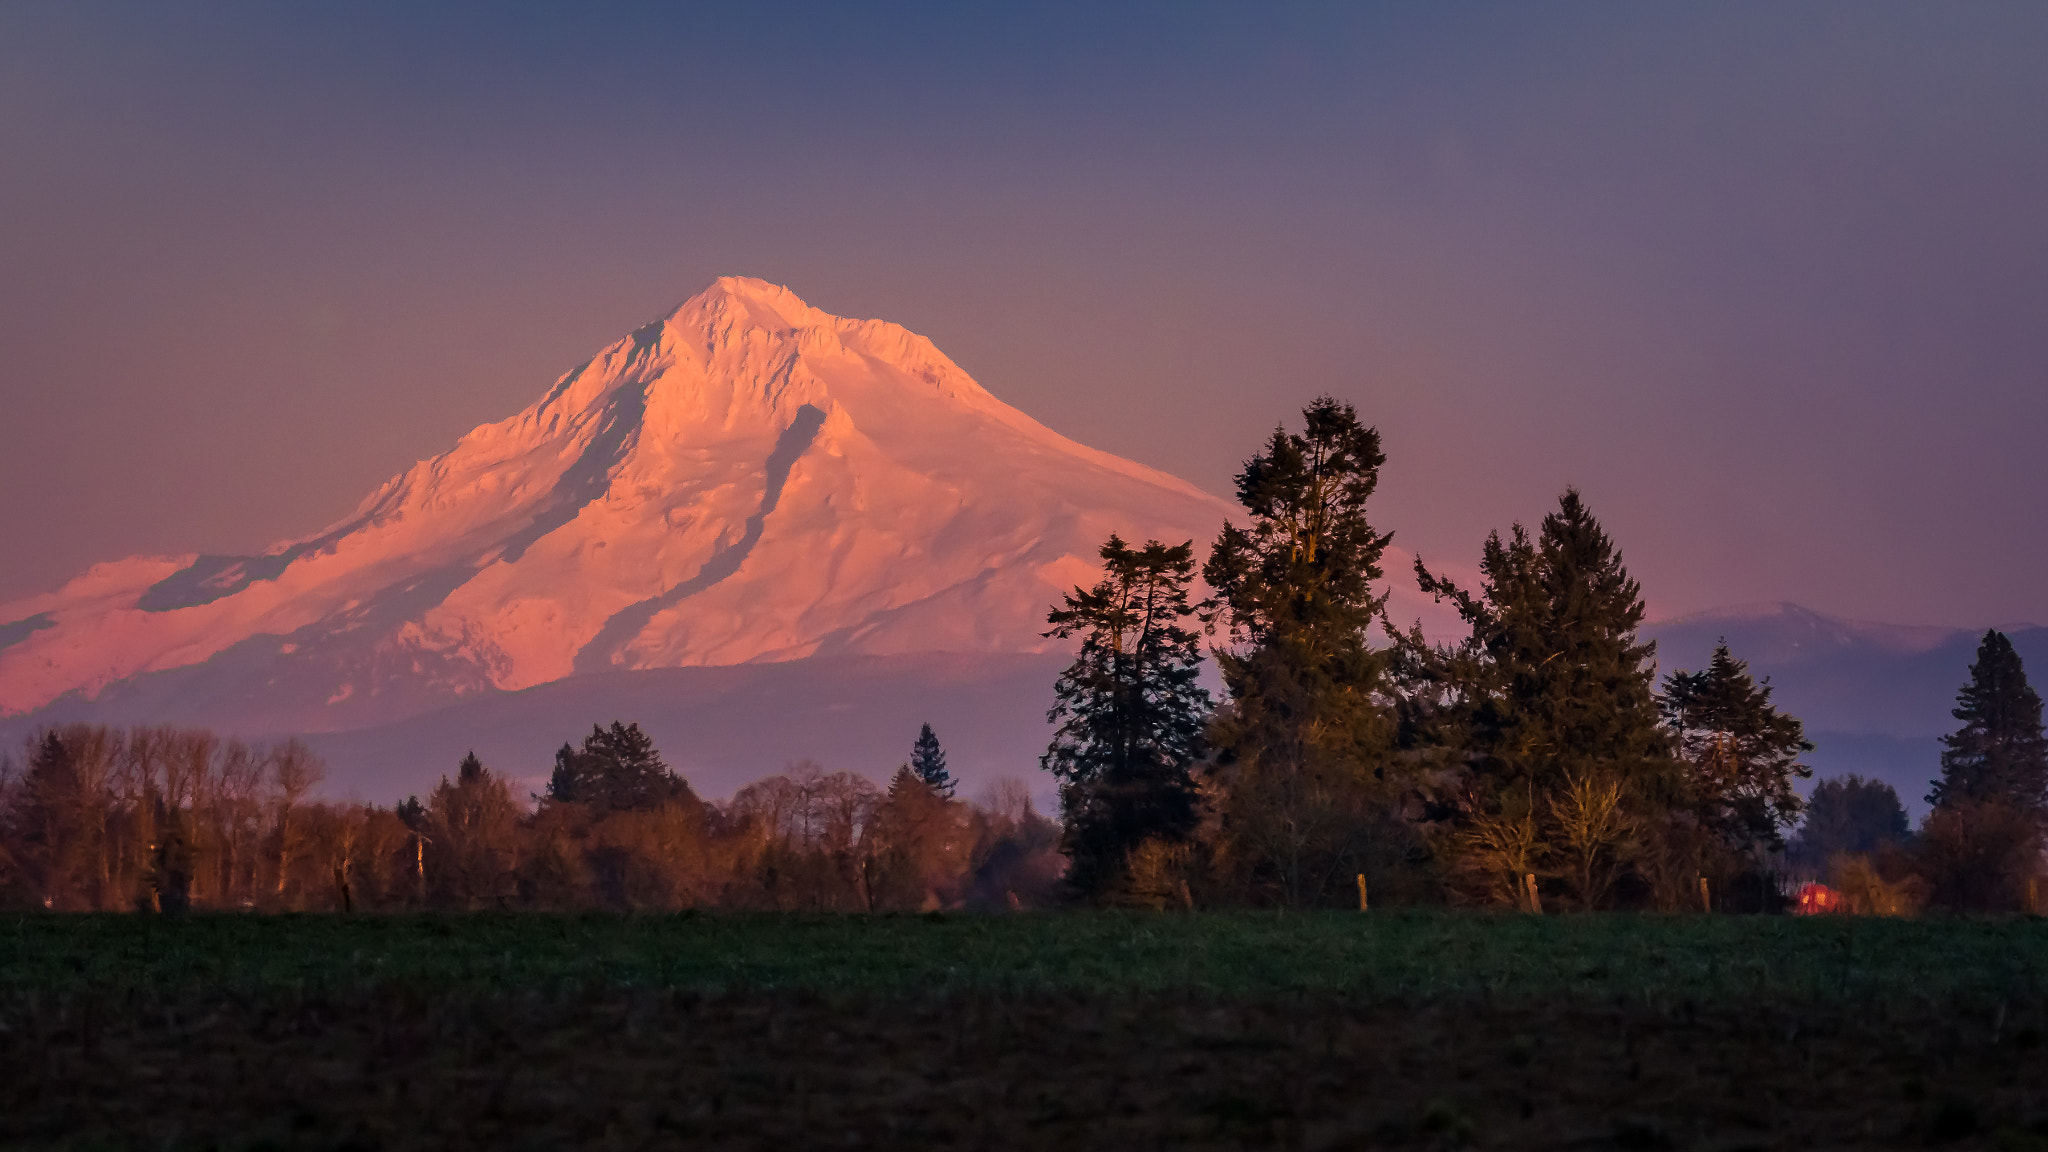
(1768, 282)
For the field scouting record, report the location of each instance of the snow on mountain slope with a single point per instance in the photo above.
(748, 479)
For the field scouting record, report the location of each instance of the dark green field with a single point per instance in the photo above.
(1074, 1030)
(1409, 956)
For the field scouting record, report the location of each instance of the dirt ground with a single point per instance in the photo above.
(612, 1068)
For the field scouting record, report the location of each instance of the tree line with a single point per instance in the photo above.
(1536, 763)
(167, 819)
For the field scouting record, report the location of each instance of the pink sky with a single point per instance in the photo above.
(1768, 286)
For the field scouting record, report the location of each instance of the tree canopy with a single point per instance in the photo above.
(1303, 744)
(1550, 709)
(928, 761)
(1129, 709)
(1741, 754)
(616, 769)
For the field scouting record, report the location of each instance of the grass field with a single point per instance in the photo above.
(1074, 1030)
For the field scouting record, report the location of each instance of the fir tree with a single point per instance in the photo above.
(1850, 816)
(50, 821)
(1999, 755)
(1129, 710)
(928, 760)
(616, 769)
(1304, 741)
(1741, 754)
(1550, 704)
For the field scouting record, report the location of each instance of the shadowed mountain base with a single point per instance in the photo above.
(727, 727)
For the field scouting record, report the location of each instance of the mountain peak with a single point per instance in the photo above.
(747, 480)
(752, 302)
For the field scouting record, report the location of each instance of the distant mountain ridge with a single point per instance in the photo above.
(1889, 679)
(1875, 697)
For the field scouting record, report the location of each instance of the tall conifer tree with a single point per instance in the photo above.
(1999, 755)
(1129, 710)
(1305, 738)
(1551, 705)
(1741, 754)
(928, 760)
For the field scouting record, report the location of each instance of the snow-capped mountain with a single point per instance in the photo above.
(746, 480)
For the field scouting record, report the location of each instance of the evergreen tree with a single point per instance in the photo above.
(1741, 754)
(50, 822)
(1850, 816)
(616, 769)
(1304, 741)
(1999, 755)
(1129, 710)
(928, 760)
(1550, 705)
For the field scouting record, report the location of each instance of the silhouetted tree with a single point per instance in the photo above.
(616, 769)
(1129, 710)
(53, 827)
(1305, 739)
(1551, 707)
(1741, 754)
(1850, 816)
(928, 760)
(1999, 755)
(1980, 848)
(1978, 856)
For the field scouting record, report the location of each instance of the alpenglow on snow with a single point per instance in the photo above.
(747, 479)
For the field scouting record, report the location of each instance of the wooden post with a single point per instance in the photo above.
(1706, 901)
(1529, 886)
(1361, 892)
